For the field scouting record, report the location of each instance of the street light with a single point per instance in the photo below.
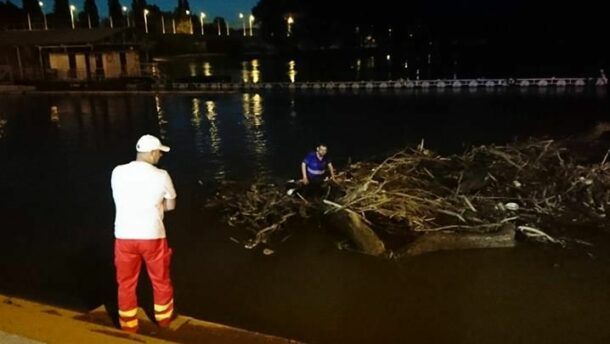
(243, 22)
(72, 9)
(146, 20)
(290, 21)
(44, 15)
(188, 13)
(251, 20)
(201, 18)
(126, 14)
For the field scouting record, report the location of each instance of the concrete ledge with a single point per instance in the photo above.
(25, 322)
(16, 88)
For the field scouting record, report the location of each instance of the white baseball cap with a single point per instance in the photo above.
(149, 143)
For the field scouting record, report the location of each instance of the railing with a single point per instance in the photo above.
(399, 84)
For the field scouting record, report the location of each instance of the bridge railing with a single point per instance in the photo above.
(394, 84)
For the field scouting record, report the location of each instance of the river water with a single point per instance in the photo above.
(56, 214)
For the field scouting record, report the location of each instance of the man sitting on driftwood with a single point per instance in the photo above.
(315, 169)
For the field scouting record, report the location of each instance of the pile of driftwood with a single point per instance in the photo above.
(532, 186)
(262, 209)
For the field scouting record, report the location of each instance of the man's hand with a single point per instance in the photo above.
(331, 168)
(305, 180)
(169, 204)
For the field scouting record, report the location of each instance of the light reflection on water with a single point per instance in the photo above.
(288, 69)
(213, 128)
(260, 134)
(250, 72)
(292, 71)
(196, 122)
(3, 123)
(161, 120)
(255, 135)
(219, 136)
(207, 69)
(207, 140)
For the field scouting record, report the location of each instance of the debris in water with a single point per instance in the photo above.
(416, 191)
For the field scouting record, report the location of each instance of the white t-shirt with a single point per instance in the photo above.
(139, 190)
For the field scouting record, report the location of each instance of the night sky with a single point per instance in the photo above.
(213, 8)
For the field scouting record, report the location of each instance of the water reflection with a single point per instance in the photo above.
(72, 123)
(196, 122)
(3, 123)
(244, 72)
(54, 114)
(292, 72)
(161, 118)
(293, 111)
(207, 139)
(258, 70)
(255, 135)
(196, 112)
(210, 114)
(230, 134)
(207, 69)
(250, 72)
(358, 68)
(255, 71)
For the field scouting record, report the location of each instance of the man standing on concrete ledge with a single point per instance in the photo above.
(142, 193)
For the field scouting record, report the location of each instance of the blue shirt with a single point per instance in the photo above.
(316, 168)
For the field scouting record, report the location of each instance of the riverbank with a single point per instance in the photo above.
(25, 321)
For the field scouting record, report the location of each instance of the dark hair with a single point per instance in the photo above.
(321, 144)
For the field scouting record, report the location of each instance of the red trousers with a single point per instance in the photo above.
(128, 256)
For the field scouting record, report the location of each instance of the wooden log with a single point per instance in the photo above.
(441, 241)
(359, 232)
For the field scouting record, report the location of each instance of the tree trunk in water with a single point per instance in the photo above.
(439, 241)
(361, 234)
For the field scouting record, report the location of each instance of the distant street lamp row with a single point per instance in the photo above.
(202, 17)
(243, 20)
